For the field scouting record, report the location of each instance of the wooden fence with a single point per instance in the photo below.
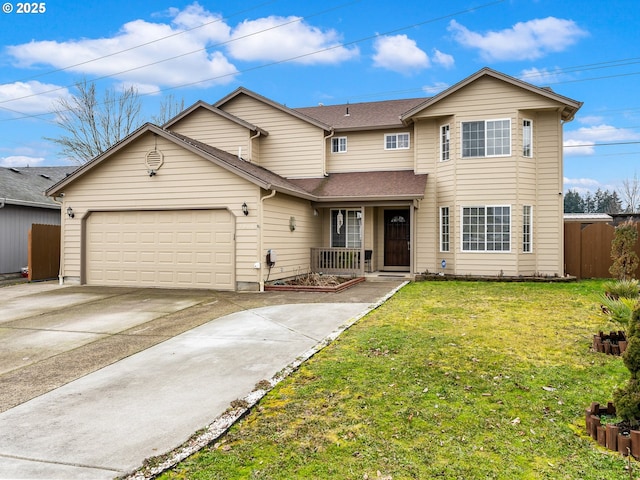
(44, 252)
(587, 249)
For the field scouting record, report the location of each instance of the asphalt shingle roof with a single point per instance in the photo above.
(354, 116)
(26, 185)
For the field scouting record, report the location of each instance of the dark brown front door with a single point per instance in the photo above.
(396, 238)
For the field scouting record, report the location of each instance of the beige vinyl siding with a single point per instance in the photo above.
(548, 224)
(185, 181)
(512, 180)
(292, 247)
(488, 97)
(293, 149)
(207, 127)
(366, 152)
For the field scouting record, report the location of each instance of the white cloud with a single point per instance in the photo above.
(279, 38)
(539, 76)
(20, 161)
(524, 41)
(435, 88)
(589, 119)
(582, 141)
(443, 59)
(30, 97)
(400, 54)
(583, 182)
(141, 53)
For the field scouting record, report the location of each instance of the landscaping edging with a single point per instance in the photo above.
(311, 288)
(609, 436)
(614, 343)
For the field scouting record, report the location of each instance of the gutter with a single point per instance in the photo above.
(26, 203)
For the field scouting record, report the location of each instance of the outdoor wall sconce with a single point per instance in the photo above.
(245, 209)
(70, 213)
(292, 223)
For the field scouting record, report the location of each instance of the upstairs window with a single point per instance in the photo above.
(527, 138)
(444, 143)
(338, 144)
(486, 138)
(396, 141)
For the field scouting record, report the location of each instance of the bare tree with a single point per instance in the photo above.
(630, 194)
(93, 125)
(169, 108)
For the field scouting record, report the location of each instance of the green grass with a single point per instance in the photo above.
(451, 380)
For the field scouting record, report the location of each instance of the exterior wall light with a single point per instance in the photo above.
(245, 209)
(292, 223)
(70, 213)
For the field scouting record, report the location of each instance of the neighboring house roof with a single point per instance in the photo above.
(217, 111)
(243, 91)
(587, 217)
(26, 186)
(570, 106)
(360, 116)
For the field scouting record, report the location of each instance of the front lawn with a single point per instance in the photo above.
(452, 380)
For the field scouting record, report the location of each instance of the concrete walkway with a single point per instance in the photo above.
(105, 423)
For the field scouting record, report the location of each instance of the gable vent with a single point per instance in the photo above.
(154, 160)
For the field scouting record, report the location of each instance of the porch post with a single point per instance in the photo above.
(362, 238)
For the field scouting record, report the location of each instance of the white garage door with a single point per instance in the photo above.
(181, 248)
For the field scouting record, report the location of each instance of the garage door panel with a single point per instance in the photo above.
(161, 248)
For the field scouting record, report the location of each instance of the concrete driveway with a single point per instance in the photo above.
(95, 380)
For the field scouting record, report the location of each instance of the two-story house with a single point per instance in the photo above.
(231, 194)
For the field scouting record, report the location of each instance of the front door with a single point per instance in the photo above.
(396, 238)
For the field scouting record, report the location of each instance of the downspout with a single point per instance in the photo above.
(324, 152)
(260, 237)
(251, 145)
(60, 269)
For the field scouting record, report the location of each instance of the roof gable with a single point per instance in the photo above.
(216, 111)
(283, 108)
(570, 106)
(249, 171)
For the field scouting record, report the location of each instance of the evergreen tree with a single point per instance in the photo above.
(573, 202)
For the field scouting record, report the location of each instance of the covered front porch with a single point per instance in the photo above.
(365, 240)
(368, 221)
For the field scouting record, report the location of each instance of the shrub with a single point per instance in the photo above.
(627, 398)
(619, 309)
(625, 259)
(622, 288)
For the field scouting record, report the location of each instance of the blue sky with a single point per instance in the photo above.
(334, 51)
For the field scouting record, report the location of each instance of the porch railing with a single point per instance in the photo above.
(336, 261)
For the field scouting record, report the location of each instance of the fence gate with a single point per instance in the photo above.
(587, 249)
(44, 252)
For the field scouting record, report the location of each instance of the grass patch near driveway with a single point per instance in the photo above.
(452, 380)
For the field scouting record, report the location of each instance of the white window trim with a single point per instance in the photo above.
(339, 144)
(448, 152)
(442, 234)
(485, 251)
(530, 230)
(345, 225)
(485, 138)
(387, 135)
(531, 139)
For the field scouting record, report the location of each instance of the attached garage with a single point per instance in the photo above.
(161, 248)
